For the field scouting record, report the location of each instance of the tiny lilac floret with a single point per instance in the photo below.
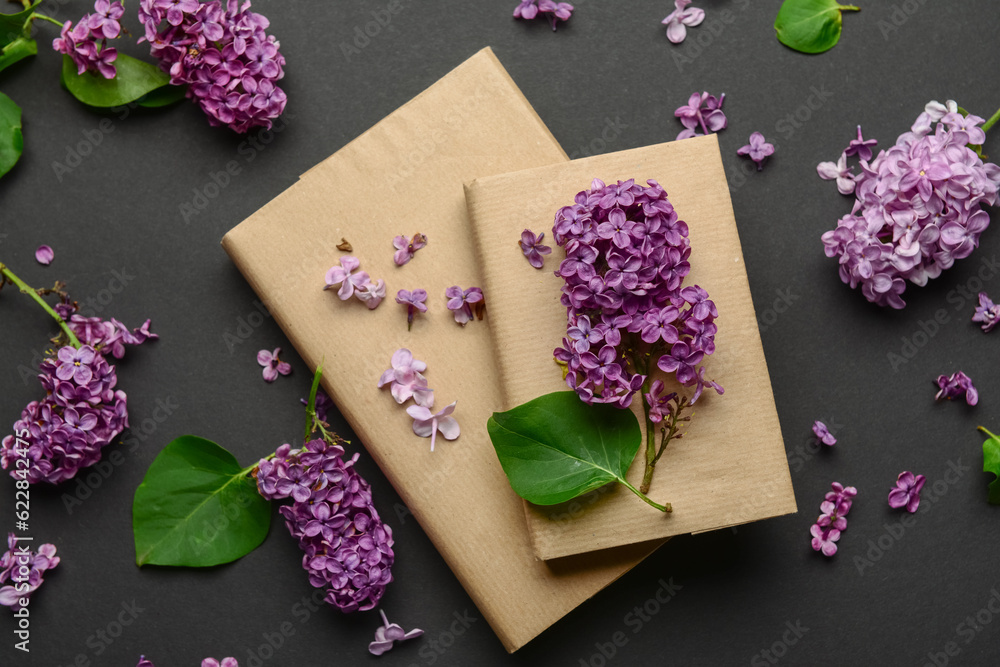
(956, 385)
(388, 633)
(226, 662)
(823, 433)
(861, 147)
(427, 424)
(414, 301)
(758, 149)
(461, 302)
(44, 255)
(272, 364)
(554, 11)
(829, 171)
(344, 276)
(987, 312)
(22, 571)
(405, 379)
(371, 293)
(907, 491)
(680, 19)
(406, 248)
(533, 249)
(704, 112)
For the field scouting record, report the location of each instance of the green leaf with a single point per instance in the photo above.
(11, 140)
(135, 78)
(991, 463)
(163, 96)
(12, 26)
(19, 49)
(196, 507)
(557, 447)
(810, 26)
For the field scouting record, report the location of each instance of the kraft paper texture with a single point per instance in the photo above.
(730, 466)
(403, 176)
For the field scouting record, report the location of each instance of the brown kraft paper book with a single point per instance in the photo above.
(730, 466)
(404, 176)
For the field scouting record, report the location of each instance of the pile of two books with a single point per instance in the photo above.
(469, 163)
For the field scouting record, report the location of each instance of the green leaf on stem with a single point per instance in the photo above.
(197, 507)
(11, 139)
(19, 49)
(135, 79)
(557, 447)
(13, 26)
(162, 96)
(991, 463)
(811, 26)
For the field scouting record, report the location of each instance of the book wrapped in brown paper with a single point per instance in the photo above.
(404, 176)
(730, 467)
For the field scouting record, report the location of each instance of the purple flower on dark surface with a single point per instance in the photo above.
(907, 491)
(554, 11)
(144, 662)
(861, 147)
(834, 514)
(758, 149)
(104, 20)
(426, 424)
(80, 43)
(22, 571)
(344, 276)
(406, 248)
(355, 565)
(841, 494)
(823, 433)
(703, 111)
(526, 9)
(824, 539)
(226, 662)
(533, 249)
(388, 633)
(405, 379)
(222, 52)
(987, 312)
(461, 302)
(272, 365)
(918, 206)
(44, 255)
(956, 385)
(829, 171)
(680, 19)
(414, 301)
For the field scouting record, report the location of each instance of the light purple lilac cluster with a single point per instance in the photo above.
(348, 550)
(22, 571)
(833, 518)
(626, 258)
(82, 411)
(358, 284)
(80, 42)
(956, 385)
(554, 11)
(918, 205)
(221, 50)
(406, 380)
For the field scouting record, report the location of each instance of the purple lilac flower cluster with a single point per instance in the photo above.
(626, 258)
(82, 411)
(956, 385)
(554, 11)
(833, 518)
(918, 205)
(80, 42)
(348, 550)
(221, 50)
(22, 570)
(406, 380)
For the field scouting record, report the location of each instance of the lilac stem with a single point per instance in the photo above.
(992, 121)
(33, 293)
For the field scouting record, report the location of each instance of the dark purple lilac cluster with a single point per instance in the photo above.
(626, 258)
(347, 548)
(82, 411)
(80, 42)
(918, 205)
(22, 571)
(221, 50)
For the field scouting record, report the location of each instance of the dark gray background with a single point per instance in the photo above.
(827, 349)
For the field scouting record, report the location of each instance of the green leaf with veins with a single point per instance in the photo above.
(811, 26)
(11, 139)
(134, 79)
(991, 463)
